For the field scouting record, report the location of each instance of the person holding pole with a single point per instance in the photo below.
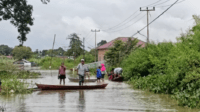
(81, 72)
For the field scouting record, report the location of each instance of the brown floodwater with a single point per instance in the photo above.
(116, 97)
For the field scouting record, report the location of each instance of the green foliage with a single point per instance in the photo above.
(20, 52)
(10, 76)
(56, 62)
(5, 50)
(101, 43)
(20, 14)
(113, 54)
(89, 58)
(120, 50)
(172, 68)
(75, 46)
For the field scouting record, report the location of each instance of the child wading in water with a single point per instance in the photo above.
(98, 74)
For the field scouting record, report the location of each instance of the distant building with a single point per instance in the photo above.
(102, 49)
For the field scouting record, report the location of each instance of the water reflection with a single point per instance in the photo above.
(62, 99)
(81, 101)
(116, 97)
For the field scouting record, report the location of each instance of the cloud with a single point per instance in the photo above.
(64, 17)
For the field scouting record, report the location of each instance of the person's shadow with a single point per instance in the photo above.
(81, 101)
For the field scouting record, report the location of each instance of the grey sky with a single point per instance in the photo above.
(63, 17)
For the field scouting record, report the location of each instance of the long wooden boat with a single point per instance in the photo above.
(70, 87)
(85, 80)
(118, 79)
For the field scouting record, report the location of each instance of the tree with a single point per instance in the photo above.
(44, 52)
(20, 15)
(102, 43)
(120, 51)
(75, 45)
(45, 1)
(20, 52)
(5, 50)
(112, 55)
(60, 51)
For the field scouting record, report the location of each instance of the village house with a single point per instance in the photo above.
(102, 49)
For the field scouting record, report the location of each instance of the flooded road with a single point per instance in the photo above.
(116, 97)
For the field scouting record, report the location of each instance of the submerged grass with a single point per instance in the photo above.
(13, 79)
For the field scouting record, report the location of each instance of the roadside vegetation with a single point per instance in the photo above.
(13, 79)
(44, 63)
(170, 68)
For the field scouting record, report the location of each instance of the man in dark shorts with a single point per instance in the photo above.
(61, 73)
(81, 69)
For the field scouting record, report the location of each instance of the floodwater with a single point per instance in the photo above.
(116, 97)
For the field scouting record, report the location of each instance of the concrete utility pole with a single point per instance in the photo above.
(147, 9)
(95, 43)
(52, 50)
(83, 48)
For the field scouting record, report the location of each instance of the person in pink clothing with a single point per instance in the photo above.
(103, 72)
(61, 73)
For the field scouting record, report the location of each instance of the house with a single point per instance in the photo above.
(102, 49)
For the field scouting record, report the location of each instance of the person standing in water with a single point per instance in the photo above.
(81, 72)
(98, 74)
(61, 73)
(103, 72)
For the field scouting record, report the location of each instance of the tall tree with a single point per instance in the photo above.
(20, 15)
(76, 45)
(101, 43)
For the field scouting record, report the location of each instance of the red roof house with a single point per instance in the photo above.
(102, 49)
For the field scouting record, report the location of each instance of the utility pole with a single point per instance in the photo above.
(83, 48)
(52, 50)
(147, 9)
(95, 43)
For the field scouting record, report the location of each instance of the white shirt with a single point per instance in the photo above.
(81, 69)
(117, 70)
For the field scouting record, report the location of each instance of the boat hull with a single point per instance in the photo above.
(119, 79)
(85, 80)
(70, 87)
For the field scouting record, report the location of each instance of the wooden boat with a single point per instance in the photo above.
(69, 87)
(85, 80)
(118, 79)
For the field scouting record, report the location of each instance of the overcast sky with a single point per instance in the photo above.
(63, 17)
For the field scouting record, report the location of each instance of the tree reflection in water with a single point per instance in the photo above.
(81, 101)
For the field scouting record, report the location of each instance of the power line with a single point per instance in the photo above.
(126, 22)
(162, 3)
(152, 3)
(169, 5)
(128, 18)
(156, 17)
(123, 21)
(129, 25)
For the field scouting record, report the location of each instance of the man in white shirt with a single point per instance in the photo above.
(81, 69)
(118, 71)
